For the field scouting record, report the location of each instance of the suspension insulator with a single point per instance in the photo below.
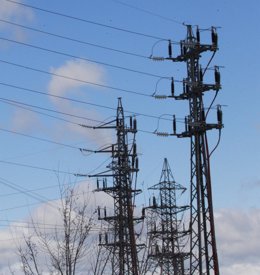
(201, 74)
(170, 49)
(198, 35)
(219, 115)
(113, 150)
(154, 202)
(143, 212)
(187, 88)
(174, 124)
(181, 45)
(203, 115)
(184, 50)
(97, 183)
(189, 124)
(136, 164)
(134, 149)
(133, 161)
(98, 212)
(105, 212)
(217, 76)
(214, 37)
(135, 124)
(172, 87)
(131, 122)
(184, 86)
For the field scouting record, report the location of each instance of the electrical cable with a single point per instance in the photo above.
(72, 39)
(19, 103)
(74, 79)
(78, 101)
(23, 190)
(37, 167)
(79, 58)
(40, 139)
(148, 12)
(85, 20)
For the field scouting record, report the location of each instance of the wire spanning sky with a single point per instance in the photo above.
(65, 63)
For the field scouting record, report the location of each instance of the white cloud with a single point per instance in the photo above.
(238, 235)
(81, 70)
(242, 269)
(77, 69)
(45, 216)
(238, 239)
(24, 120)
(15, 13)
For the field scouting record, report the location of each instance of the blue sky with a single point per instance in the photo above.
(235, 164)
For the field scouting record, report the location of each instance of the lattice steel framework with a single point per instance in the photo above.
(203, 250)
(120, 238)
(165, 226)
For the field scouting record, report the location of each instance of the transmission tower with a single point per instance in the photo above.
(165, 226)
(203, 250)
(120, 238)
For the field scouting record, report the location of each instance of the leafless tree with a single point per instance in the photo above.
(60, 249)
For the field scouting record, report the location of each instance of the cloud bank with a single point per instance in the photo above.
(63, 87)
(14, 13)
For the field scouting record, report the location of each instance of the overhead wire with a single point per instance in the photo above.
(80, 58)
(19, 105)
(37, 167)
(74, 79)
(77, 100)
(84, 20)
(73, 39)
(23, 190)
(39, 138)
(148, 12)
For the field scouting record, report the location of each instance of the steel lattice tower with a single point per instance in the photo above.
(203, 254)
(120, 239)
(165, 226)
(203, 250)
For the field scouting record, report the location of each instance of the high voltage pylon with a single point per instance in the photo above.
(120, 238)
(166, 233)
(203, 249)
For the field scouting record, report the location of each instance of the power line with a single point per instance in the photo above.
(45, 188)
(40, 139)
(11, 102)
(73, 39)
(78, 101)
(74, 79)
(37, 167)
(23, 190)
(86, 21)
(19, 103)
(148, 12)
(80, 58)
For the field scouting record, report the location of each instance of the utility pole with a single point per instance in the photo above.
(166, 231)
(120, 238)
(203, 249)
